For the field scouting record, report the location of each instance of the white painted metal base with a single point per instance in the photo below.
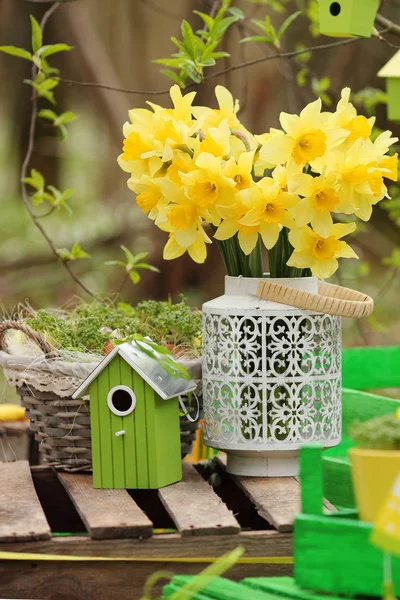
(263, 464)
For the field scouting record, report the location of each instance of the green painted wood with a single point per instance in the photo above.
(130, 436)
(338, 486)
(150, 397)
(312, 493)
(117, 424)
(393, 91)
(105, 430)
(356, 18)
(335, 556)
(370, 368)
(168, 444)
(141, 432)
(362, 406)
(284, 587)
(95, 434)
(219, 588)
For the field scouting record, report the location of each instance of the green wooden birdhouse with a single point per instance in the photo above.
(347, 18)
(391, 72)
(134, 415)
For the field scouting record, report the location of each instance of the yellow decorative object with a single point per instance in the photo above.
(12, 412)
(200, 451)
(386, 533)
(373, 473)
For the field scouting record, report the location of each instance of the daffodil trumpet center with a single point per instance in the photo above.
(309, 146)
(324, 200)
(325, 248)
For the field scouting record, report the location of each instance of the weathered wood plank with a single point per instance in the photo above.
(195, 508)
(277, 499)
(268, 543)
(107, 514)
(21, 516)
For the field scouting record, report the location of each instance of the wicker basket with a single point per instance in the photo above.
(61, 425)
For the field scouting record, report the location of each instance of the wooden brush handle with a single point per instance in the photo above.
(330, 299)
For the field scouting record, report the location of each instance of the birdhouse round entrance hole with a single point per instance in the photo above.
(335, 9)
(121, 400)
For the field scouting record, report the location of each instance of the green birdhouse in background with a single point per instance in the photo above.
(347, 18)
(134, 415)
(391, 72)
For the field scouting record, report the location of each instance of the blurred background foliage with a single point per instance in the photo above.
(115, 43)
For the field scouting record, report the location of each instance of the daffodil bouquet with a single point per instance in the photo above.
(200, 175)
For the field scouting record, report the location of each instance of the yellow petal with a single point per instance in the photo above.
(226, 230)
(346, 251)
(322, 222)
(323, 269)
(225, 99)
(339, 230)
(301, 260)
(277, 150)
(269, 234)
(248, 241)
(198, 251)
(172, 250)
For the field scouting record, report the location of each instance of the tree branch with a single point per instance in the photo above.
(242, 65)
(25, 165)
(389, 25)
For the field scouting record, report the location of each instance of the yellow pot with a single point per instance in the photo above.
(373, 474)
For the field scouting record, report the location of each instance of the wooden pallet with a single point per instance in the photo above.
(180, 528)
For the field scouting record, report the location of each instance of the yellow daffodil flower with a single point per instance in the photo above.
(318, 200)
(359, 182)
(346, 117)
(389, 165)
(240, 170)
(260, 163)
(307, 138)
(319, 251)
(267, 209)
(151, 197)
(227, 109)
(207, 185)
(231, 225)
(197, 251)
(215, 142)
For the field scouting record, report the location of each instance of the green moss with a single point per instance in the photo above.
(379, 433)
(87, 327)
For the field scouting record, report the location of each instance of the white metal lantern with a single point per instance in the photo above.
(271, 378)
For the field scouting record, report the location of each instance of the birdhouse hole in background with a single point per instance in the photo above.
(347, 18)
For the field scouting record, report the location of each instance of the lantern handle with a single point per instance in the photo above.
(186, 412)
(330, 299)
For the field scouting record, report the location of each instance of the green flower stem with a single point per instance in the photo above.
(256, 261)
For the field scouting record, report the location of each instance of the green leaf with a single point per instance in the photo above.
(283, 28)
(64, 253)
(236, 12)
(128, 254)
(46, 51)
(174, 76)
(114, 263)
(63, 132)
(36, 180)
(48, 114)
(37, 36)
(256, 38)
(169, 62)
(301, 77)
(77, 252)
(66, 117)
(220, 55)
(134, 277)
(148, 267)
(208, 21)
(14, 51)
(189, 39)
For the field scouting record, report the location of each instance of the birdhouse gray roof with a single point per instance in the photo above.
(392, 68)
(150, 368)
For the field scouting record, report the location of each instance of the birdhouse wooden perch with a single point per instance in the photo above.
(347, 18)
(391, 72)
(134, 416)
